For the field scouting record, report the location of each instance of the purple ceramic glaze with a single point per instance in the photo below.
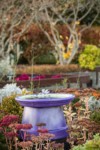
(45, 108)
(45, 100)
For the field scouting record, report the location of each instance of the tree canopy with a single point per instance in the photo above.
(16, 17)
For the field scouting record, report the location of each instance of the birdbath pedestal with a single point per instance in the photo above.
(45, 108)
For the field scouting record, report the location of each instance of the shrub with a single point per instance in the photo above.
(8, 103)
(95, 116)
(34, 43)
(11, 106)
(46, 59)
(91, 36)
(90, 57)
(35, 40)
(93, 144)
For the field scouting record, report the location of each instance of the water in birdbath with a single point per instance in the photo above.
(44, 96)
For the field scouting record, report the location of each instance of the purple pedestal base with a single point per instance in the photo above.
(46, 110)
(53, 117)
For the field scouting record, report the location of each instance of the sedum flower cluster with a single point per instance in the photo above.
(8, 90)
(8, 119)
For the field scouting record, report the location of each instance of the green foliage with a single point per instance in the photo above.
(3, 146)
(80, 147)
(2, 138)
(75, 101)
(90, 57)
(93, 144)
(11, 106)
(46, 59)
(88, 19)
(95, 116)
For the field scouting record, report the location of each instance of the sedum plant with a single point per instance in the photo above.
(90, 57)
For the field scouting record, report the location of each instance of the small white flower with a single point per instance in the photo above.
(45, 91)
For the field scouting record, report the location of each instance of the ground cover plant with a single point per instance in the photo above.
(90, 144)
(80, 117)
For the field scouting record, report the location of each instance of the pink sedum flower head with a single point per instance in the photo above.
(23, 126)
(8, 119)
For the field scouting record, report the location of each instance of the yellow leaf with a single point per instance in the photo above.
(67, 55)
(79, 42)
(61, 37)
(66, 37)
(70, 46)
(77, 22)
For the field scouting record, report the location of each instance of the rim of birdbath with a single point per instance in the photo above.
(44, 100)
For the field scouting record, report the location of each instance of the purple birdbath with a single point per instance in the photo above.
(45, 108)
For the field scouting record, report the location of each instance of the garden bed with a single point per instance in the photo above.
(49, 80)
(82, 125)
(47, 69)
(56, 69)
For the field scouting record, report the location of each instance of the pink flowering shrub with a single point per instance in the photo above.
(56, 76)
(22, 77)
(39, 77)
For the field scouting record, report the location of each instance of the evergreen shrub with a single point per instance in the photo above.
(90, 57)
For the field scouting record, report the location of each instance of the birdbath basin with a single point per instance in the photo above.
(45, 108)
